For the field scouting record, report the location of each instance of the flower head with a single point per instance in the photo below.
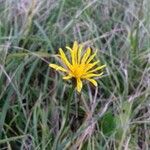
(79, 66)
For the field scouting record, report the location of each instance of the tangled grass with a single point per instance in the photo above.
(33, 97)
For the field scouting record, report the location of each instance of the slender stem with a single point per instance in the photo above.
(122, 139)
(55, 147)
(125, 130)
(68, 107)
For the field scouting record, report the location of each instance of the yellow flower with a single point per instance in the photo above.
(80, 67)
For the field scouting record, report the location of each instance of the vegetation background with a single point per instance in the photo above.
(33, 97)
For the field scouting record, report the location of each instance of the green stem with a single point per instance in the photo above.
(58, 138)
(125, 130)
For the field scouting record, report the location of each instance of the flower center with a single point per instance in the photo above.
(78, 70)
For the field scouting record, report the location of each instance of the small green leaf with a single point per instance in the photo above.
(108, 124)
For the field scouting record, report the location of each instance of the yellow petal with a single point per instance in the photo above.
(86, 55)
(72, 54)
(67, 77)
(68, 48)
(92, 81)
(91, 75)
(75, 46)
(56, 67)
(91, 65)
(79, 85)
(75, 49)
(91, 57)
(79, 53)
(96, 69)
(64, 58)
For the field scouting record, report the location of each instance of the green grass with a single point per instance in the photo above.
(33, 97)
